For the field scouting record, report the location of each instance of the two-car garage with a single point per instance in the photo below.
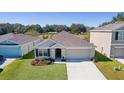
(79, 53)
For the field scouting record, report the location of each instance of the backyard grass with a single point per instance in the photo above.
(85, 36)
(21, 69)
(105, 65)
(47, 35)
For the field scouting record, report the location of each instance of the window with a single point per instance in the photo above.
(119, 36)
(43, 52)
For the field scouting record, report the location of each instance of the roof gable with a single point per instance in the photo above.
(57, 45)
(8, 42)
(49, 43)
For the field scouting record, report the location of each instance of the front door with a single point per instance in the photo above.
(58, 53)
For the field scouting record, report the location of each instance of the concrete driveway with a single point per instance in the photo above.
(121, 60)
(7, 62)
(84, 71)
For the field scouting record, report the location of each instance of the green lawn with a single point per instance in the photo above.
(107, 69)
(21, 69)
(85, 36)
(105, 65)
(47, 35)
(101, 57)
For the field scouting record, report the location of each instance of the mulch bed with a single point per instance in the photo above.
(40, 63)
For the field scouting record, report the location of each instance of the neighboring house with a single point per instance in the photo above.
(109, 39)
(17, 45)
(64, 44)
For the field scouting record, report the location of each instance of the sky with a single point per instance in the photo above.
(63, 18)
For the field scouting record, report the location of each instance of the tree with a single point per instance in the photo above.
(77, 28)
(55, 28)
(118, 17)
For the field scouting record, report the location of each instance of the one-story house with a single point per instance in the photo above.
(65, 45)
(17, 45)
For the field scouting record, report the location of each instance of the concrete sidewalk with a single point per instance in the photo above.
(7, 62)
(121, 60)
(84, 71)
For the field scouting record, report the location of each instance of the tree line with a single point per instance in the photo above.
(118, 17)
(37, 29)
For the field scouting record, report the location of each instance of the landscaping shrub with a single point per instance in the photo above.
(45, 36)
(42, 61)
(1, 70)
(63, 59)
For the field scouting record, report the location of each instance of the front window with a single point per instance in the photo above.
(43, 52)
(119, 36)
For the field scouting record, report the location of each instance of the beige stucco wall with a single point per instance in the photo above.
(92, 53)
(52, 53)
(102, 40)
(83, 53)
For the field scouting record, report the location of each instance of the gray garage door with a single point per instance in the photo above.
(78, 54)
(119, 52)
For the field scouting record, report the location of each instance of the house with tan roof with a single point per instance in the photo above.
(109, 39)
(17, 45)
(65, 45)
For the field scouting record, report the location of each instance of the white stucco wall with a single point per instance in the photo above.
(52, 53)
(102, 40)
(29, 46)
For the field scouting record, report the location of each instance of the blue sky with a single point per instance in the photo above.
(67, 18)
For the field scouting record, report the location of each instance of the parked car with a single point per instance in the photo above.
(2, 59)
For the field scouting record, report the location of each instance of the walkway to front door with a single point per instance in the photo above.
(84, 71)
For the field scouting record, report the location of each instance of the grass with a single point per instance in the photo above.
(107, 69)
(85, 36)
(101, 57)
(21, 69)
(30, 55)
(106, 65)
(50, 34)
(47, 35)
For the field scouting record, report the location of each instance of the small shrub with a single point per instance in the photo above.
(63, 59)
(45, 36)
(42, 61)
(1, 70)
(94, 59)
(118, 68)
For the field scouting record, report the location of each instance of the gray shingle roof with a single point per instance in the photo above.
(115, 26)
(18, 38)
(70, 40)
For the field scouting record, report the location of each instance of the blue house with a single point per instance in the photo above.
(17, 45)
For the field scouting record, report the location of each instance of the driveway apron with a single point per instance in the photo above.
(84, 71)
